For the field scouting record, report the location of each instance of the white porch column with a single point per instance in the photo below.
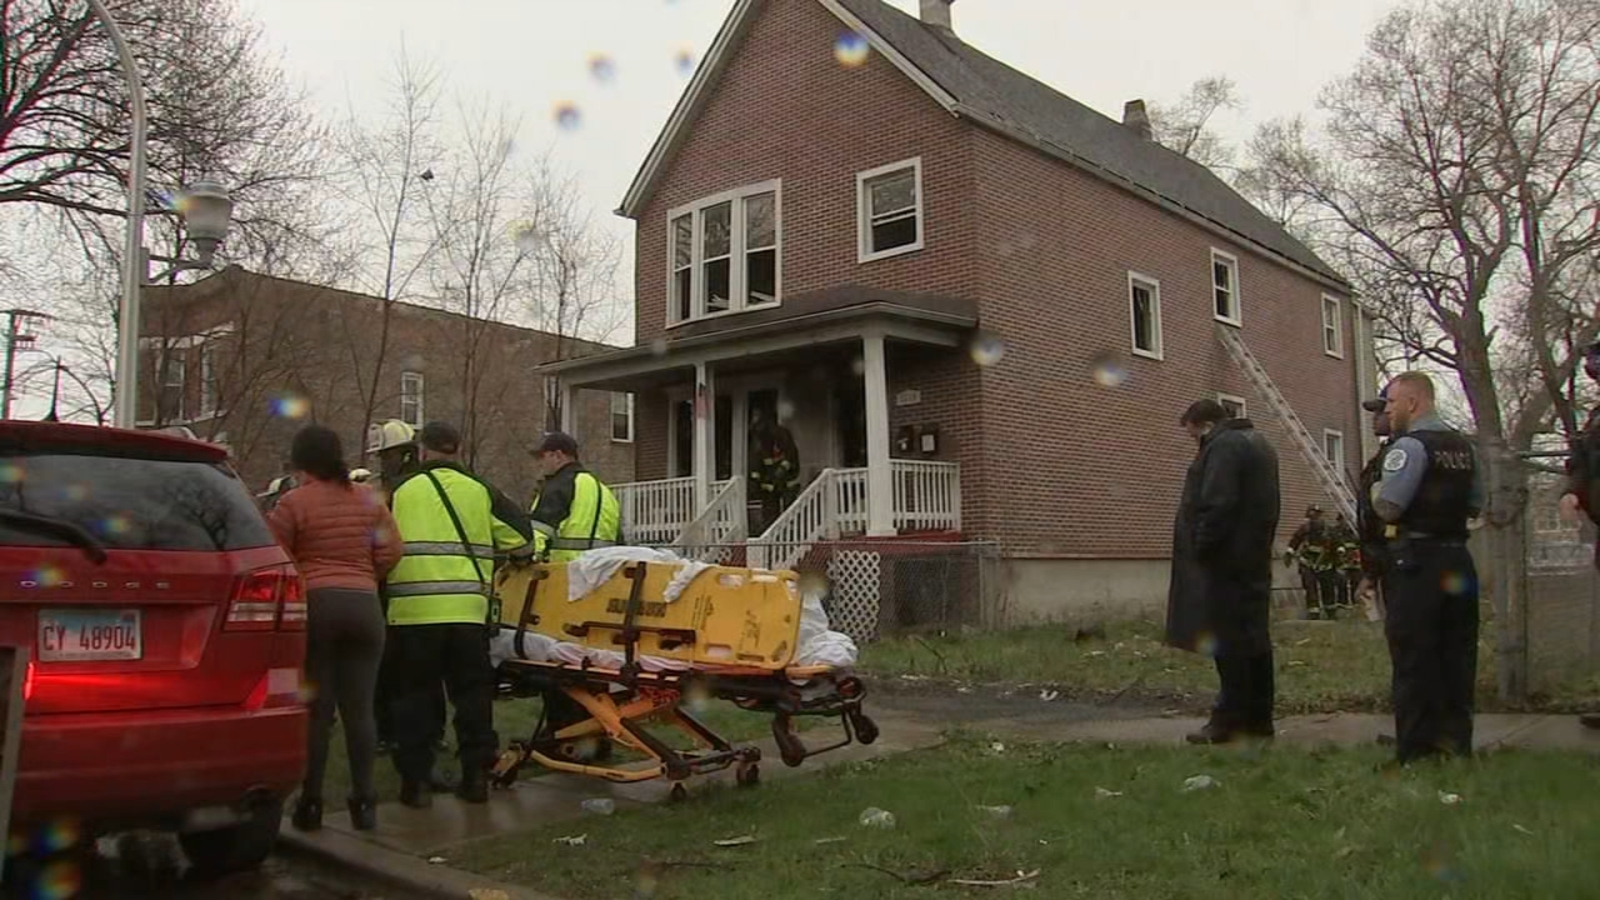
(705, 446)
(880, 486)
(569, 407)
(741, 435)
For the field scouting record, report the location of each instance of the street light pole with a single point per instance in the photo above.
(126, 403)
(15, 318)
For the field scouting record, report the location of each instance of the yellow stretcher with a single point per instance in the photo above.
(731, 634)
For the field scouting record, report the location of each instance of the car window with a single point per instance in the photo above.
(131, 504)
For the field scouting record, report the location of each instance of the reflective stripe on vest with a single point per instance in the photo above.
(446, 548)
(595, 520)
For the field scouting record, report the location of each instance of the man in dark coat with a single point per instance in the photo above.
(1220, 600)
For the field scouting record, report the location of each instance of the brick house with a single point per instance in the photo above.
(246, 359)
(979, 305)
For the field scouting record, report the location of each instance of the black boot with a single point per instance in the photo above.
(415, 794)
(363, 814)
(474, 786)
(1589, 720)
(307, 814)
(1212, 733)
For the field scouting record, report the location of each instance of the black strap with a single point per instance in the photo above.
(466, 545)
(599, 504)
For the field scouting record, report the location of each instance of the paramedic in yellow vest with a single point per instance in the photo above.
(574, 511)
(453, 525)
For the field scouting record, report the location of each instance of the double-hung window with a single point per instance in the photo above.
(725, 253)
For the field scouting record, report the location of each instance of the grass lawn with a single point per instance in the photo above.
(515, 720)
(1284, 824)
(1322, 666)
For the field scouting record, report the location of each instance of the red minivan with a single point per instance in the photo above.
(166, 630)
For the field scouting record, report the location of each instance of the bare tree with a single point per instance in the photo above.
(1185, 126)
(390, 164)
(1457, 182)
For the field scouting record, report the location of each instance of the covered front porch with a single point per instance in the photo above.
(822, 372)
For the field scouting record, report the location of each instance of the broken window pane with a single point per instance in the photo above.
(761, 277)
(717, 223)
(761, 221)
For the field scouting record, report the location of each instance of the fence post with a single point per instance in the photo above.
(1505, 535)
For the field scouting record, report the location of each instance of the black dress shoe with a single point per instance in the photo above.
(416, 795)
(363, 814)
(307, 814)
(474, 788)
(1212, 733)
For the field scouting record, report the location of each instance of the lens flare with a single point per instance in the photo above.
(987, 350)
(567, 115)
(1108, 371)
(49, 576)
(851, 50)
(602, 68)
(289, 406)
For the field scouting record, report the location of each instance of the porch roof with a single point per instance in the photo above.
(826, 316)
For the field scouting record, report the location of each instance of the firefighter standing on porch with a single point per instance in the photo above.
(1431, 488)
(453, 525)
(774, 466)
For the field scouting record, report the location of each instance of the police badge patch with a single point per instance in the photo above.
(1394, 460)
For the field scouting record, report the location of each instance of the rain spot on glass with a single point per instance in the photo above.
(114, 525)
(658, 346)
(851, 50)
(1454, 583)
(1108, 371)
(785, 410)
(685, 61)
(11, 473)
(987, 349)
(289, 406)
(59, 880)
(526, 235)
(49, 576)
(567, 115)
(602, 68)
(858, 366)
(1206, 644)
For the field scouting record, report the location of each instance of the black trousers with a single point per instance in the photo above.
(1431, 591)
(422, 657)
(1244, 702)
(383, 703)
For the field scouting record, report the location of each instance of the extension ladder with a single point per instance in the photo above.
(1329, 472)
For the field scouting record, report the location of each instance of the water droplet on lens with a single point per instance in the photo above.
(1109, 371)
(602, 68)
(987, 349)
(851, 50)
(567, 115)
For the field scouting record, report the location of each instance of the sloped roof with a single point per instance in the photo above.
(990, 93)
(984, 87)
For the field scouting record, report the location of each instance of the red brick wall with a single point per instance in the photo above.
(1093, 470)
(784, 108)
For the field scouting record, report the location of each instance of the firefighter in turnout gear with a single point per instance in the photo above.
(774, 466)
(1347, 561)
(574, 511)
(1581, 498)
(1431, 489)
(1314, 548)
(453, 526)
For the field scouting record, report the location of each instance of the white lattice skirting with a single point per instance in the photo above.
(854, 577)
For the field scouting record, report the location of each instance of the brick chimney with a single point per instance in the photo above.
(937, 13)
(1134, 117)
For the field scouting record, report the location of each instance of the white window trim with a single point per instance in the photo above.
(736, 249)
(1333, 433)
(864, 252)
(164, 379)
(1337, 351)
(1154, 286)
(1244, 408)
(210, 403)
(422, 386)
(611, 424)
(1237, 319)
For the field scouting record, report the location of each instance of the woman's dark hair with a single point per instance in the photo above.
(318, 452)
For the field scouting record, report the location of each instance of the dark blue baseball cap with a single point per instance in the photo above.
(1378, 403)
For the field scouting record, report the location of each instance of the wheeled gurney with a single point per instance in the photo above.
(613, 659)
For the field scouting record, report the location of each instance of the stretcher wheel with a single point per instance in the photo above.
(790, 748)
(866, 729)
(678, 794)
(747, 774)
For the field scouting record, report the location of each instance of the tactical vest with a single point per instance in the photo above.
(1443, 502)
(1369, 526)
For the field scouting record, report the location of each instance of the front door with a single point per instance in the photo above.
(850, 422)
(683, 438)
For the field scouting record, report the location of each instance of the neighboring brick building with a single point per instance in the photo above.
(246, 359)
(966, 293)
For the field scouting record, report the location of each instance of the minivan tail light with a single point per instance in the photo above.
(267, 599)
(27, 683)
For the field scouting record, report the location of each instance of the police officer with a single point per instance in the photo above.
(1431, 487)
(452, 525)
(1582, 494)
(1369, 528)
(574, 511)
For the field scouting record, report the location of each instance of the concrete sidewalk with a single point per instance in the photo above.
(399, 850)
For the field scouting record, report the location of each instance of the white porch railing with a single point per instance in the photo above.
(927, 495)
(726, 520)
(656, 512)
(811, 517)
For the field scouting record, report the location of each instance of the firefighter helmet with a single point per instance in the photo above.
(388, 435)
(360, 476)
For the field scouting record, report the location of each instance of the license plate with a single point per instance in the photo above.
(88, 635)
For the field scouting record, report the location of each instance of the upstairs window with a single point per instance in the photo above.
(889, 208)
(1333, 447)
(1144, 302)
(1225, 287)
(411, 387)
(622, 418)
(1332, 330)
(210, 396)
(1234, 405)
(174, 385)
(725, 253)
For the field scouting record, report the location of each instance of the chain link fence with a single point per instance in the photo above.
(885, 588)
(1560, 586)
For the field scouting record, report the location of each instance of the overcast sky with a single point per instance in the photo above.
(533, 54)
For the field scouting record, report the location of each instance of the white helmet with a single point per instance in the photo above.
(388, 435)
(360, 476)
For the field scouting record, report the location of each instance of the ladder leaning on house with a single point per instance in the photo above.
(1329, 472)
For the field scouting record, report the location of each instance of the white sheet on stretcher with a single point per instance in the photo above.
(818, 645)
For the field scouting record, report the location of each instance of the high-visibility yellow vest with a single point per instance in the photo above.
(437, 582)
(594, 520)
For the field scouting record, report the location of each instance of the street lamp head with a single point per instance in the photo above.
(207, 212)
